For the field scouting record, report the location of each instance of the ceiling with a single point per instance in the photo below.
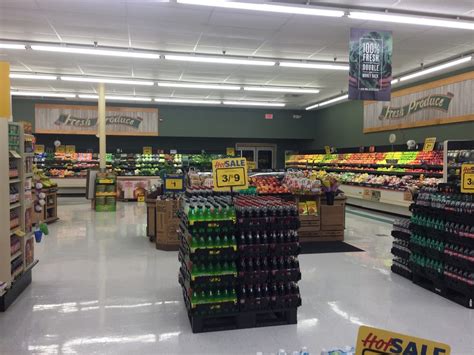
(153, 25)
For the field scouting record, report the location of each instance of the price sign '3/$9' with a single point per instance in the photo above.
(230, 173)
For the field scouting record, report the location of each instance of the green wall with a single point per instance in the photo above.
(341, 126)
(219, 122)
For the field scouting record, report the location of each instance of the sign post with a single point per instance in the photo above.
(229, 174)
(372, 341)
(467, 178)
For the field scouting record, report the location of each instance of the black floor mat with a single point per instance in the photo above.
(327, 247)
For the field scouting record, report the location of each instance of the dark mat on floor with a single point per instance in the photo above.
(327, 247)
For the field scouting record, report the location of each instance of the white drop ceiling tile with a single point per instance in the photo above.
(203, 77)
(247, 19)
(84, 7)
(217, 40)
(238, 32)
(167, 13)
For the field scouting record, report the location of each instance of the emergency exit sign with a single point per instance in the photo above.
(269, 116)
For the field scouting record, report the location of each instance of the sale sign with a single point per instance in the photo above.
(371, 341)
(230, 173)
(370, 65)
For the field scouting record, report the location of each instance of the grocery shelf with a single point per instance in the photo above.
(15, 205)
(16, 255)
(14, 181)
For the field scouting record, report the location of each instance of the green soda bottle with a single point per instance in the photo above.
(202, 242)
(210, 269)
(210, 242)
(233, 241)
(211, 297)
(195, 298)
(219, 296)
(199, 213)
(233, 295)
(217, 242)
(226, 296)
(194, 242)
(225, 242)
(192, 213)
(226, 267)
(203, 298)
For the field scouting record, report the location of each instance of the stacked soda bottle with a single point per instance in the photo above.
(208, 255)
(401, 247)
(442, 241)
(268, 266)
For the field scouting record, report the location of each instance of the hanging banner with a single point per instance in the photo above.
(78, 119)
(443, 101)
(370, 65)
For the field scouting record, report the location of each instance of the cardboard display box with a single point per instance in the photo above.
(167, 224)
(332, 217)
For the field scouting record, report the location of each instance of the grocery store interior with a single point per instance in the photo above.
(285, 177)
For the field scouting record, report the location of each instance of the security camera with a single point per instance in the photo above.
(223, 52)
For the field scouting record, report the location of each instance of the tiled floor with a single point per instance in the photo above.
(102, 288)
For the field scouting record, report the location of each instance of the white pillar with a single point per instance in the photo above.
(101, 124)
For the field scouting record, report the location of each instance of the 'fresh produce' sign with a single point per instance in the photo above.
(435, 102)
(370, 65)
(80, 119)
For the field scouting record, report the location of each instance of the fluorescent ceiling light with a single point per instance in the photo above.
(254, 103)
(436, 68)
(42, 94)
(87, 96)
(12, 46)
(309, 65)
(218, 60)
(32, 76)
(298, 10)
(412, 20)
(199, 86)
(127, 98)
(188, 101)
(324, 103)
(95, 51)
(281, 89)
(395, 81)
(107, 80)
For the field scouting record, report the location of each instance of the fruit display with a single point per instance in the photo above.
(392, 163)
(302, 182)
(268, 184)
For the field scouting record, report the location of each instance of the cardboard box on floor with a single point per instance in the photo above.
(167, 224)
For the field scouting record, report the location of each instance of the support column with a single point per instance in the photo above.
(101, 126)
(5, 98)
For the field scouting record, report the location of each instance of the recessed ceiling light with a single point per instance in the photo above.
(298, 10)
(309, 65)
(187, 101)
(254, 103)
(32, 76)
(436, 68)
(412, 20)
(199, 86)
(96, 51)
(218, 60)
(327, 102)
(107, 80)
(42, 94)
(12, 46)
(281, 89)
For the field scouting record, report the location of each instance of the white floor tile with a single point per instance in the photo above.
(102, 288)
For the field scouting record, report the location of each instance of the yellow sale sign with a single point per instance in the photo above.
(429, 144)
(374, 341)
(467, 178)
(230, 173)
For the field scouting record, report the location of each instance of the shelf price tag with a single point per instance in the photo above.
(147, 150)
(39, 148)
(429, 144)
(467, 178)
(327, 149)
(70, 149)
(378, 341)
(230, 173)
(173, 183)
(230, 151)
(61, 149)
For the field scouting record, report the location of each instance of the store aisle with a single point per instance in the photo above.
(102, 288)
